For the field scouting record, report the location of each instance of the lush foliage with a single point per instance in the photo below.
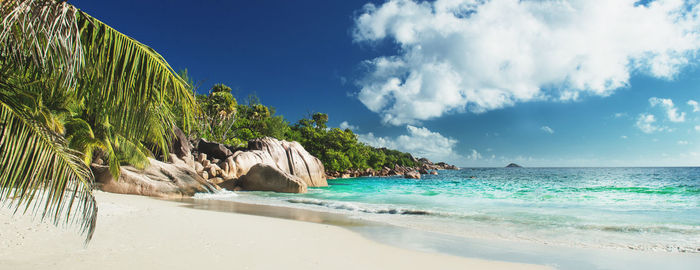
(340, 150)
(74, 91)
(224, 120)
(234, 124)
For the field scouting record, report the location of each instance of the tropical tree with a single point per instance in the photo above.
(340, 150)
(225, 121)
(72, 87)
(219, 110)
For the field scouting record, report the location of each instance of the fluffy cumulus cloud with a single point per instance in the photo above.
(420, 142)
(694, 104)
(647, 123)
(459, 55)
(475, 155)
(346, 125)
(671, 110)
(547, 129)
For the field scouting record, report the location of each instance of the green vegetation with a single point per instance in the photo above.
(224, 120)
(73, 91)
(339, 150)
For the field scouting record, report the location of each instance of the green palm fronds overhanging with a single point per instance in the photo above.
(39, 171)
(55, 58)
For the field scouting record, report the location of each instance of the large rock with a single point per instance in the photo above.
(264, 177)
(244, 160)
(179, 144)
(445, 166)
(288, 157)
(412, 175)
(159, 179)
(425, 161)
(213, 150)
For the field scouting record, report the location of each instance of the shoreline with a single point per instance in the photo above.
(141, 232)
(527, 252)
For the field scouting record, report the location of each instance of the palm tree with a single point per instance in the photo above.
(66, 75)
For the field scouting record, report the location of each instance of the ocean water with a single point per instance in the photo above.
(650, 209)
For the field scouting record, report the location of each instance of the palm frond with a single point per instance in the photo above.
(46, 32)
(80, 137)
(39, 172)
(52, 51)
(133, 153)
(124, 72)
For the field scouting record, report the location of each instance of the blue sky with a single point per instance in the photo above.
(565, 83)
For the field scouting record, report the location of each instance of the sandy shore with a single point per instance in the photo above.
(143, 233)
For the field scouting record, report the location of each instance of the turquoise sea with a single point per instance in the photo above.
(651, 209)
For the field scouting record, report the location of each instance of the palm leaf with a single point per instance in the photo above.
(119, 82)
(106, 67)
(45, 31)
(38, 171)
(120, 70)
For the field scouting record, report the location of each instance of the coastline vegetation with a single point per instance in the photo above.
(74, 91)
(224, 120)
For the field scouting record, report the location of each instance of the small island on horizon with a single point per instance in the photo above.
(513, 165)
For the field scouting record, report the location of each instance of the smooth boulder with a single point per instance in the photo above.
(179, 144)
(288, 157)
(213, 150)
(159, 179)
(412, 175)
(264, 177)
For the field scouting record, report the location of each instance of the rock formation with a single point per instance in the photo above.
(513, 165)
(425, 167)
(213, 150)
(159, 179)
(265, 177)
(287, 157)
(412, 175)
(266, 164)
(179, 144)
(292, 158)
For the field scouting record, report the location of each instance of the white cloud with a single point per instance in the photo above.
(458, 55)
(620, 115)
(475, 155)
(671, 110)
(697, 128)
(420, 142)
(694, 104)
(645, 122)
(345, 125)
(683, 142)
(623, 137)
(547, 129)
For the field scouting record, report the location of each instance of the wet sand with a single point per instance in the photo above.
(559, 257)
(136, 232)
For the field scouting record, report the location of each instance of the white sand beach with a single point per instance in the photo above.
(135, 232)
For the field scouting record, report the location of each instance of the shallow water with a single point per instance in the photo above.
(650, 209)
